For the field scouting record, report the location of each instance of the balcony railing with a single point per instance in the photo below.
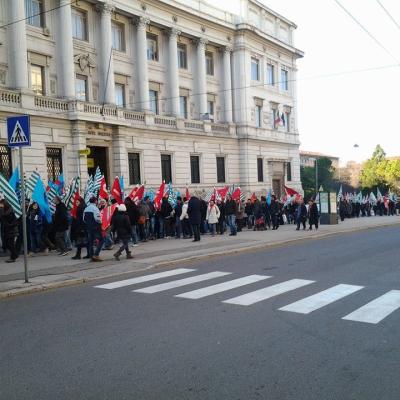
(9, 97)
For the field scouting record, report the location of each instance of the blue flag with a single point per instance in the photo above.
(39, 196)
(122, 186)
(269, 198)
(14, 180)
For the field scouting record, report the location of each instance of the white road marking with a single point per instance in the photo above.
(321, 299)
(181, 282)
(376, 310)
(268, 292)
(222, 287)
(146, 278)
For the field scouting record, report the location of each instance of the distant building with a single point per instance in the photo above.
(307, 159)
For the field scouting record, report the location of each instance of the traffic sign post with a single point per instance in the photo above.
(19, 135)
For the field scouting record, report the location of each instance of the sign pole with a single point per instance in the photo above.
(24, 233)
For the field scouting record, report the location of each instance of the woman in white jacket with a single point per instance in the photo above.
(212, 216)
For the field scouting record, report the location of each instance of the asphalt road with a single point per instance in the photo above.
(89, 342)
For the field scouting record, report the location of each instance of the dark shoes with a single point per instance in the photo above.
(76, 258)
(10, 260)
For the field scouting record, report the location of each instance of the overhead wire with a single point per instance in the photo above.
(388, 14)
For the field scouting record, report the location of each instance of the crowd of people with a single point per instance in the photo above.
(98, 224)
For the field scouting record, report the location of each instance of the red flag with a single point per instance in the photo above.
(132, 194)
(137, 193)
(116, 191)
(291, 192)
(74, 209)
(236, 194)
(253, 197)
(159, 195)
(223, 192)
(103, 189)
(106, 214)
(187, 194)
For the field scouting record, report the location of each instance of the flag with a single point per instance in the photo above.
(122, 186)
(340, 194)
(277, 120)
(10, 195)
(290, 192)
(372, 198)
(208, 196)
(171, 195)
(137, 193)
(103, 193)
(39, 196)
(253, 197)
(59, 184)
(379, 195)
(222, 193)
(106, 215)
(237, 194)
(150, 194)
(159, 195)
(69, 196)
(89, 190)
(52, 192)
(14, 180)
(282, 120)
(98, 177)
(74, 209)
(116, 191)
(187, 194)
(31, 183)
(269, 197)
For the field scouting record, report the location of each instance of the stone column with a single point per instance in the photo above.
(120, 165)
(18, 57)
(240, 81)
(141, 64)
(201, 89)
(173, 72)
(107, 94)
(79, 163)
(227, 83)
(66, 50)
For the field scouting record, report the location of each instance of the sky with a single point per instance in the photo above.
(335, 110)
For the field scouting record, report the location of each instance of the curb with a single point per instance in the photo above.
(77, 281)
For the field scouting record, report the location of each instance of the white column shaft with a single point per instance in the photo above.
(106, 55)
(141, 60)
(18, 58)
(66, 54)
(173, 73)
(201, 94)
(227, 84)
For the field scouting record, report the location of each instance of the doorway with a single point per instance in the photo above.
(277, 187)
(97, 158)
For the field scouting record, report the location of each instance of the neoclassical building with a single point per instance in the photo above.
(156, 89)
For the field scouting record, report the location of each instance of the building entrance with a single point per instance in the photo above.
(277, 187)
(98, 158)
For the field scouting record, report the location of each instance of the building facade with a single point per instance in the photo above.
(173, 90)
(307, 159)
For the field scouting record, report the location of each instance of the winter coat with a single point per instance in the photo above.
(121, 224)
(61, 222)
(35, 221)
(194, 211)
(78, 227)
(184, 214)
(313, 214)
(91, 217)
(144, 210)
(133, 212)
(166, 208)
(221, 207)
(9, 222)
(231, 207)
(213, 214)
(301, 213)
(178, 209)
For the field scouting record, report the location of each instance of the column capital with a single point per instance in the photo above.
(105, 8)
(226, 49)
(173, 32)
(141, 22)
(200, 42)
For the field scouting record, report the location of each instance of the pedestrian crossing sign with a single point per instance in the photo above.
(18, 132)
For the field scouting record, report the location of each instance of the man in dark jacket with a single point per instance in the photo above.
(133, 213)
(231, 209)
(274, 209)
(313, 215)
(194, 212)
(9, 225)
(164, 217)
(120, 224)
(61, 225)
(178, 213)
(92, 219)
(301, 215)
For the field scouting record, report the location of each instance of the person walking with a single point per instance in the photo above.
(9, 226)
(212, 216)
(35, 227)
(186, 228)
(301, 215)
(177, 215)
(61, 225)
(194, 214)
(274, 209)
(313, 215)
(121, 225)
(133, 212)
(92, 219)
(78, 230)
(231, 209)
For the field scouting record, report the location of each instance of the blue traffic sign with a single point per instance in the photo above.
(18, 131)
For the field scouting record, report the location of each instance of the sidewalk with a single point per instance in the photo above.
(53, 271)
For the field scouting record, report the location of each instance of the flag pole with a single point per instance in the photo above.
(24, 233)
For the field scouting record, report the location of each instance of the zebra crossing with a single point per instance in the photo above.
(371, 313)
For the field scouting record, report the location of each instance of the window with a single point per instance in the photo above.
(289, 171)
(54, 163)
(119, 95)
(221, 169)
(284, 79)
(79, 24)
(209, 63)
(118, 39)
(166, 173)
(5, 161)
(195, 168)
(152, 47)
(276, 119)
(210, 108)
(182, 56)
(33, 12)
(37, 79)
(258, 116)
(260, 170)
(183, 106)
(270, 74)
(134, 168)
(153, 95)
(255, 69)
(81, 88)
(286, 121)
